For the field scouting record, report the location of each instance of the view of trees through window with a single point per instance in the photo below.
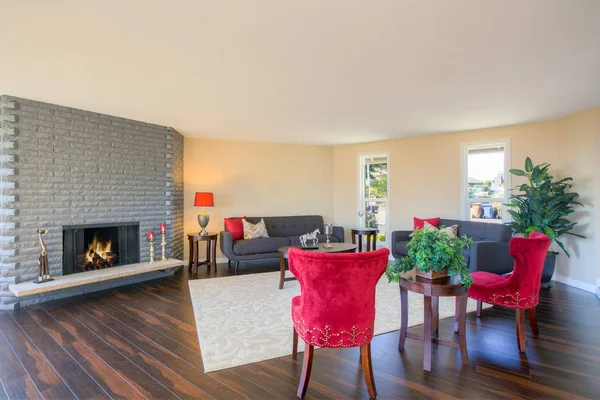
(374, 187)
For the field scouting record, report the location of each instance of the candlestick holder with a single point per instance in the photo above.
(163, 244)
(328, 232)
(151, 241)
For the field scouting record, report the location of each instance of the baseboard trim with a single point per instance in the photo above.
(588, 287)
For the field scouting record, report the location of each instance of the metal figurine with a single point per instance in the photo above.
(163, 243)
(310, 236)
(43, 266)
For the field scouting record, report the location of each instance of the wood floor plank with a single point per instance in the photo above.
(49, 383)
(74, 375)
(131, 341)
(192, 356)
(141, 380)
(105, 376)
(16, 381)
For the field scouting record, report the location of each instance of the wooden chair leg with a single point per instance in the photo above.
(520, 322)
(309, 351)
(295, 345)
(365, 355)
(533, 322)
(479, 308)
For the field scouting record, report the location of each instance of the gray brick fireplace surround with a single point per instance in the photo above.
(62, 166)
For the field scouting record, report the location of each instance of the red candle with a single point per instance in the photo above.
(163, 228)
(150, 235)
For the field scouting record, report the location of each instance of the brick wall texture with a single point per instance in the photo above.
(63, 166)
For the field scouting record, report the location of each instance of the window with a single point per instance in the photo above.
(485, 181)
(373, 211)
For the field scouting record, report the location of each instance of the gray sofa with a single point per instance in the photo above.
(283, 231)
(489, 251)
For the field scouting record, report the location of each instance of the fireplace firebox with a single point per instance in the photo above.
(99, 246)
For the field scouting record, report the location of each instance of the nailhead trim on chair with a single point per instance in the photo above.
(325, 336)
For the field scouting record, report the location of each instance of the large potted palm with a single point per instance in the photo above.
(542, 205)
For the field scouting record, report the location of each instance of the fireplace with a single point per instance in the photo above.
(99, 246)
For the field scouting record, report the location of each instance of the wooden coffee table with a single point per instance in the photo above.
(431, 290)
(283, 255)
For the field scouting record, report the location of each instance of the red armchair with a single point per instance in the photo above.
(336, 307)
(518, 290)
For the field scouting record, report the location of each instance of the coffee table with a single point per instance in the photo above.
(335, 248)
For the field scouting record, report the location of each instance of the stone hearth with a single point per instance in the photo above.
(61, 166)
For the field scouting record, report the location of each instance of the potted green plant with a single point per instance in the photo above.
(433, 250)
(542, 205)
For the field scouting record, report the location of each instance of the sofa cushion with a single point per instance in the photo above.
(419, 223)
(255, 231)
(235, 226)
(480, 230)
(400, 248)
(290, 226)
(322, 239)
(259, 245)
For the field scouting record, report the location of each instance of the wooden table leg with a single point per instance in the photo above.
(208, 262)
(353, 238)
(435, 311)
(359, 243)
(191, 240)
(427, 334)
(374, 241)
(456, 313)
(368, 236)
(403, 317)
(213, 255)
(281, 270)
(462, 329)
(195, 265)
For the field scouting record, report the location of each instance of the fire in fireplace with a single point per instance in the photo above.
(99, 246)
(99, 254)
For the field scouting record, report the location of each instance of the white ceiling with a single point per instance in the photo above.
(309, 71)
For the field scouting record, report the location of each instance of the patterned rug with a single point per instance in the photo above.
(245, 319)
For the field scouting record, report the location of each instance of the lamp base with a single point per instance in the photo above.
(203, 219)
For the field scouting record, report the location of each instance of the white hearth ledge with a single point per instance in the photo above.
(86, 278)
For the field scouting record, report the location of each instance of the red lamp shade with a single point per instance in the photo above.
(204, 199)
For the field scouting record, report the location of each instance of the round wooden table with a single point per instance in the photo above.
(369, 233)
(283, 255)
(211, 251)
(432, 290)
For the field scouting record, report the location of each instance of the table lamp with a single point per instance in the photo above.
(204, 199)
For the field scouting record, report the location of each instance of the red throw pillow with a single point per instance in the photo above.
(419, 223)
(235, 226)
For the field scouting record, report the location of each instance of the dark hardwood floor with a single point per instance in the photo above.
(140, 342)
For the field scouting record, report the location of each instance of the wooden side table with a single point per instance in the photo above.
(431, 290)
(211, 251)
(369, 233)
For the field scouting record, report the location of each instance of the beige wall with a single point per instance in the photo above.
(256, 179)
(425, 176)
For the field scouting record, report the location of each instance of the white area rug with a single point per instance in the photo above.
(245, 319)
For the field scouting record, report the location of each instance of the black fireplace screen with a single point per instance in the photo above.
(92, 247)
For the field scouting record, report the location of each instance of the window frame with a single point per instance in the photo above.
(361, 191)
(464, 167)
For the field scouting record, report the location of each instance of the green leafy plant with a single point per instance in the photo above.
(542, 204)
(433, 249)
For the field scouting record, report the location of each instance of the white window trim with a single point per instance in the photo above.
(464, 147)
(361, 199)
